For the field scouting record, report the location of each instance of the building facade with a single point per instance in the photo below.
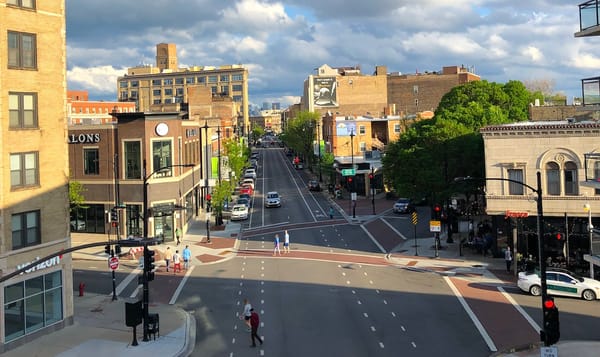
(80, 110)
(167, 83)
(34, 203)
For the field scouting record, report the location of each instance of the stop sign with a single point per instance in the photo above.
(113, 263)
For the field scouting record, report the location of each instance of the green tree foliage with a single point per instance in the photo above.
(76, 198)
(220, 194)
(299, 134)
(237, 156)
(257, 132)
(431, 153)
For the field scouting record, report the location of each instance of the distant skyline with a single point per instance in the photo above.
(283, 42)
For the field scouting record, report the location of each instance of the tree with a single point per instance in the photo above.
(299, 134)
(237, 156)
(431, 153)
(76, 198)
(219, 195)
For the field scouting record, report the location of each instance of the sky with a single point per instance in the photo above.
(283, 42)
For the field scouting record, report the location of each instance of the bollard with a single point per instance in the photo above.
(81, 288)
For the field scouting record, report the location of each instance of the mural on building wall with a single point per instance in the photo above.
(345, 128)
(325, 92)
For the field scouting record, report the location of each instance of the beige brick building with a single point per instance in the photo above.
(34, 201)
(153, 87)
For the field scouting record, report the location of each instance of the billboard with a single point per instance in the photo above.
(325, 92)
(344, 128)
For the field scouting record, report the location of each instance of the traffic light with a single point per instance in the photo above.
(349, 180)
(558, 236)
(551, 332)
(437, 211)
(107, 249)
(114, 215)
(149, 263)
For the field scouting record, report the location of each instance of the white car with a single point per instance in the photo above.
(239, 212)
(273, 199)
(560, 282)
(248, 181)
(250, 173)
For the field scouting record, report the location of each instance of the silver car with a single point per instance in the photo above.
(560, 282)
(273, 199)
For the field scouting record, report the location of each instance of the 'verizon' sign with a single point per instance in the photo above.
(42, 265)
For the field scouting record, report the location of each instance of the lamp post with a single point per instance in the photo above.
(219, 154)
(588, 208)
(206, 165)
(352, 204)
(541, 242)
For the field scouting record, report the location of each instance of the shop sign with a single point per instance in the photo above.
(84, 138)
(516, 214)
(43, 265)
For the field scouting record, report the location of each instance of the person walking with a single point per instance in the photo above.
(286, 242)
(247, 313)
(176, 262)
(178, 235)
(168, 257)
(331, 212)
(508, 258)
(254, 322)
(276, 248)
(186, 255)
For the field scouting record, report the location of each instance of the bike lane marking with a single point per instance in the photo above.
(499, 318)
(383, 234)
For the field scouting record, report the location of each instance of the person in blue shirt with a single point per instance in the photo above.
(186, 255)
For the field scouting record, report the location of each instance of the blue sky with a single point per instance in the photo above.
(282, 42)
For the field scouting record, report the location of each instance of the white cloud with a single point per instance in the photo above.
(101, 79)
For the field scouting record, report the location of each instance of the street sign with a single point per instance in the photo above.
(435, 226)
(348, 172)
(551, 351)
(414, 219)
(113, 263)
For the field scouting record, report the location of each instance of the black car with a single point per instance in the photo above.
(313, 185)
(403, 205)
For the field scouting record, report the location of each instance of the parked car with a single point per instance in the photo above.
(273, 199)
(560, 282)
(250, 173)
(243, 201)
(239, 212)
(77, 225)
(403, 205)
(313, 185)
(248, 181)
(246, 188)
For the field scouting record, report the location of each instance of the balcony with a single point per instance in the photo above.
(590, 89)
(589, 19)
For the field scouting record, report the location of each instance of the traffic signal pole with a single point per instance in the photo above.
(145, 295)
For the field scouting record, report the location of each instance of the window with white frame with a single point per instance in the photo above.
(396, 128)
(25, 227)
(28, 4)
(362, 130)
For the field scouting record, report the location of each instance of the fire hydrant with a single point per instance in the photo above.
(81, 288)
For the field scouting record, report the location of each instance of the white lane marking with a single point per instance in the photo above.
(365, 314)
(381, 345)
(373, 239)
(373, 328)
(394, 229)
(533, 324)
(133, 275)
(136, 291)
(385, 302)
(393, 314)
(414, 344)
(402, 328)
(181, 285)
(471, 314)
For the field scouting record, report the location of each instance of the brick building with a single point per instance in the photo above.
(34, 198)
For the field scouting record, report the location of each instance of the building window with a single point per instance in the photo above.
(363, 146)
(133, 165)
(179, 81)
(90, 219)
(396, 128)
(91, 163)
(362, 130)
(156, 92)
(168, 91)
(156, 101)
(156, 82)
(236, 87)
(24, 169)
(416, 102)
(32, 304)
(212, 79)
(224, 78)
(571, 187)
(189, 80)
(124, 95)
(237, 98)
(21, 50)
(134, 94)
(213, 89)
(123, 84)
(202, 79)
(22, 108)
(29, 4)
(237, 77)
(415, 89)
(168, 81)
(25, 229)
(179, 91)
(225, 90)
(515, 188)
(133, 217)
(161, 157)
(552, 179)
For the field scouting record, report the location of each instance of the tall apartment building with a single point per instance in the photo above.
(34, 198)
(167, 83)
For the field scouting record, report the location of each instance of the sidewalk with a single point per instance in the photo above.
(99, 323)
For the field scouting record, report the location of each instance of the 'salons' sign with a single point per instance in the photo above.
(84, 138)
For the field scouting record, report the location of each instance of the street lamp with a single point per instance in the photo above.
(541, 244)
(319, 146)
(206, 172)
(219, 153)
(588, 208)
(353, 173)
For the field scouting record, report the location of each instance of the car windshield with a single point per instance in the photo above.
(403, 201)
(239, 208)
(272, 195)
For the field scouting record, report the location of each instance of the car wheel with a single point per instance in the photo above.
(588, 295)
(535, 290)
